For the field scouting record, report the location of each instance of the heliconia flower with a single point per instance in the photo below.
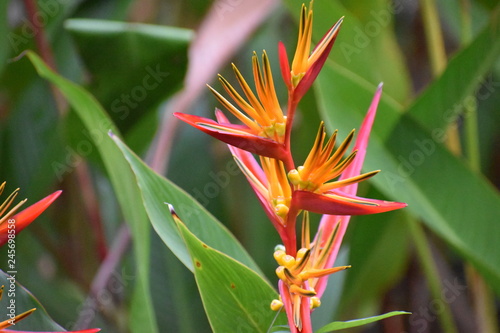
(314, 191)
(21, 220)
(11, 322)
(264, 124)
(336, 224)
(306, 65)
(298, 276)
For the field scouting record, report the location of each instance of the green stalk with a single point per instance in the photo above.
(437, 55)
(483, 300)
(470, 109)
(434, 38)
(432, 275)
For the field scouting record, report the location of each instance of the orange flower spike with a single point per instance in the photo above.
(300, 63)
(22, 219)
(264, 125)
(306, 65)
(316, 190)
(279, 191)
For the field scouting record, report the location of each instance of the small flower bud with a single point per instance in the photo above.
(278, 256)
(281, 210)
(294, 177)
(288, 261)
(276, 305)
(315, 302)
(280, 273)
(279, 247)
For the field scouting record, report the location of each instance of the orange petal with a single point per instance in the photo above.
(25, 217)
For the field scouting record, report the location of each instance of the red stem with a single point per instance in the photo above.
(45, 50)
(292, 106)
(92, 208)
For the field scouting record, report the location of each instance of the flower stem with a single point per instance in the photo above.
(45, 50)
(292, 106)
(435, 44)
(432, 274)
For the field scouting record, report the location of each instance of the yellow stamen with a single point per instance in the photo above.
(10, 322)
(8, 202)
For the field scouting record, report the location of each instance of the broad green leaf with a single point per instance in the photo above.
(23, 300)
(444, 100)
(156, 190)
(236, 299)
(454, 202)
(142, 65)
(98, 124)
(340, 325)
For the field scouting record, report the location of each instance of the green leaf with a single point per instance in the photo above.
(156, 190)
(444, 100)
(236, 299)
(98, 124)
(454, 202)
(340, 325)
(148, 63)
(22, 300)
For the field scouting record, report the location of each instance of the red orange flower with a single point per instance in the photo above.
(21, 220)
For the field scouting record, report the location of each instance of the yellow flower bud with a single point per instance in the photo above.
(288, 261)
(278, 256)
(315, 302)
(281, 210)
(276, 305)
(294, 177)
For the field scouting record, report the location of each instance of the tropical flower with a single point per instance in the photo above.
(264, 128)
(306, 65)
(326, 183)
(11, 224)
(302, 285)
(298, 276)
(316, 193)
(309, 187)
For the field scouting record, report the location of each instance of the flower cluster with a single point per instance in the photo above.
(10, 225)
(326, 183)
(23, 218)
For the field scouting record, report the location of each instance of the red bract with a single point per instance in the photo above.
(22, 219)
(239, 136)
(339, 203)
